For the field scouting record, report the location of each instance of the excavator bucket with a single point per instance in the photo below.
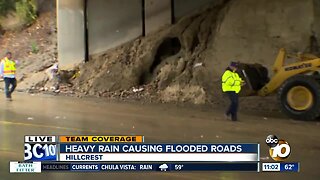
(255, 77)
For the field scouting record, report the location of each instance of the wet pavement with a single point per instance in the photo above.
(50, 115)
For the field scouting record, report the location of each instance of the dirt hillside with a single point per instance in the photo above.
(179, 63)
(184, 62)
(35, 47)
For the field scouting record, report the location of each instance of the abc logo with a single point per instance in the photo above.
(279, 149)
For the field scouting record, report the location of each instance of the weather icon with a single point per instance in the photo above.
(163, 167)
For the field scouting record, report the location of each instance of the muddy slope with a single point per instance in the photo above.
(184, 62)
(35, 47)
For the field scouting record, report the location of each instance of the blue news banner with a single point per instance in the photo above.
(85, 152)
(157, 148)
(110, 149)
(149, 167)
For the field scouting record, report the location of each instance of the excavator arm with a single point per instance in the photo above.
(283, 72)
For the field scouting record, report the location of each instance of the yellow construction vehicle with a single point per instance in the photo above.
(297, 84)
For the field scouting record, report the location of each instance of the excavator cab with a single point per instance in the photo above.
(297, 84)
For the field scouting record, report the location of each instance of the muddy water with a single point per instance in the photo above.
(158, 123)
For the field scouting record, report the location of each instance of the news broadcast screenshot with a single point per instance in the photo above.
(159, 89)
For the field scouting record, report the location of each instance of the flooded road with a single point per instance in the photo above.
(47, 115)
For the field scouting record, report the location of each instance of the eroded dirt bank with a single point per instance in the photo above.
(184, 62)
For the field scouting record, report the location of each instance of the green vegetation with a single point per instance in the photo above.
(6, 6)
(25, 9)
(34, 48)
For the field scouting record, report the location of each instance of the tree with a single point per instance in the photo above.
(27, 10)
(6, 6)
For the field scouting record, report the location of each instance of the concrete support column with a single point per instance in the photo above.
(316, 28)
(184, 7)
(157, 14)
(112, 23)
(315, 45)
(70, 25)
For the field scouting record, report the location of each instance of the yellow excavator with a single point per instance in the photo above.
(297, 84)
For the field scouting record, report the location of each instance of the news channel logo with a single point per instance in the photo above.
(279, 149)
(40, 148)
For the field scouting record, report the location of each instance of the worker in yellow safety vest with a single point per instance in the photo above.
(8, 72)
(231, 86)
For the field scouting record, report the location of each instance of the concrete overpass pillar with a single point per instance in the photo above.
(112, 23)
(316, 24)
(185, 7)
(157, 14)
(71, 39)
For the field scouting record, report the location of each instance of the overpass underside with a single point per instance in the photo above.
(87, 27)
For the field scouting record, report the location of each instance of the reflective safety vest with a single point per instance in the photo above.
(231, 81)
(9, 67)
